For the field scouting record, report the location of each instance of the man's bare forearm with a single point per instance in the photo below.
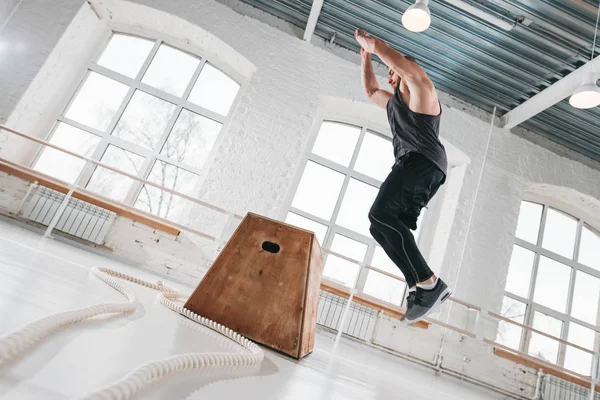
(369, 81)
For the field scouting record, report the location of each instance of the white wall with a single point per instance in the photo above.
(289, 84)
(26, 40)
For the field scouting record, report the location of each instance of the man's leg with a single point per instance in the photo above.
(394, 212)
(391, 253)
(400, 240)
(394, 235)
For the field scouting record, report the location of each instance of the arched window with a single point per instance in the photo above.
(339, 183)
(147, 108)
(553, 285)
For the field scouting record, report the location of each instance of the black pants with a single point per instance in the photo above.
(414, 180)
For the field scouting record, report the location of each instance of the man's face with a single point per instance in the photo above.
(393, 79)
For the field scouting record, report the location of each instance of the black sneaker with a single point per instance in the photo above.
(410, 300)
(427, 301)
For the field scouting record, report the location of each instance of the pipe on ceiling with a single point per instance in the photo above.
(500, 23)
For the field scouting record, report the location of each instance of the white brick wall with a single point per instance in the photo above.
(39, 99)
(26, 41)
(290, 82)
(12, 192)
(177, 257)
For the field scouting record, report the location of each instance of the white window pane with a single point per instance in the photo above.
(340, 271)
(125, 54)
(171, 70)
(191, 139)
(519, 271)
(336, 142)
(144, 120)
(384, 287)
(375, 157)
(420, 219)
(383, 262)
(318, 229)
(586, 297)
(509, 334)
(578, 361)
(559, 233)
(112, 184)
(61, 165)
(589, 248)
(97, 101)
(318, 190)
(543, 347)
(528, 226)
(552, 284)
(162, 203)
(348, 247)
(173, 177)
(582, 336)
(214, 90)
(357, 202)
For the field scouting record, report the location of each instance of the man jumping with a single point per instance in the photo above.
(414, 113)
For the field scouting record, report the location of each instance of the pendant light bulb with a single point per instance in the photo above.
(417, 17)
(586, 96)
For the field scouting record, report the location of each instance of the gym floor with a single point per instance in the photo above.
(39, 277)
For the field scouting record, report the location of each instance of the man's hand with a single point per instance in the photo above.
(424, 98)
(366, 41)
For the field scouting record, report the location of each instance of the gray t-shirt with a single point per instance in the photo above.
(416, 132)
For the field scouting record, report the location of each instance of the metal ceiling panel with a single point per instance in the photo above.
(475, 60)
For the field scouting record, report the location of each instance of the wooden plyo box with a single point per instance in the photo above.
(265, 285)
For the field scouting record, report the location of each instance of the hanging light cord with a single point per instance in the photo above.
(595, 32)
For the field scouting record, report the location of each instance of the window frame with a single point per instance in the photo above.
(531, 306)
(349, 173)
(106, 138)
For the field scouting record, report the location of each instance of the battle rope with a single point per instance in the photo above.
(14, 343)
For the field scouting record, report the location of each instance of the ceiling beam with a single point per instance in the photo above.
(551, 95)
(315, 10)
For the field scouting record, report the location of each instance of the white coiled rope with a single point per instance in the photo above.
(19, 340)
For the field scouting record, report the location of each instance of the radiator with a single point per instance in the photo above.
(80, 219)
(558, 389)
(359, 323)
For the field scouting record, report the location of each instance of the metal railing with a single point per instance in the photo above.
(482, 314)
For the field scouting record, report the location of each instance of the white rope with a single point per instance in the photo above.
(16, 342)
(468, 230)
(595, 32)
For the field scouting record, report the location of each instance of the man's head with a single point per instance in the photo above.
(393, 78)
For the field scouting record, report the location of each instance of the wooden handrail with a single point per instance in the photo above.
(465, 304)
(529, 328)
(120, 172)
(392, 311)
(545, 367)
(29, 175)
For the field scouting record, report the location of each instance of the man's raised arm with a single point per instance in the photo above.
(369, 82)
(408, 70)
